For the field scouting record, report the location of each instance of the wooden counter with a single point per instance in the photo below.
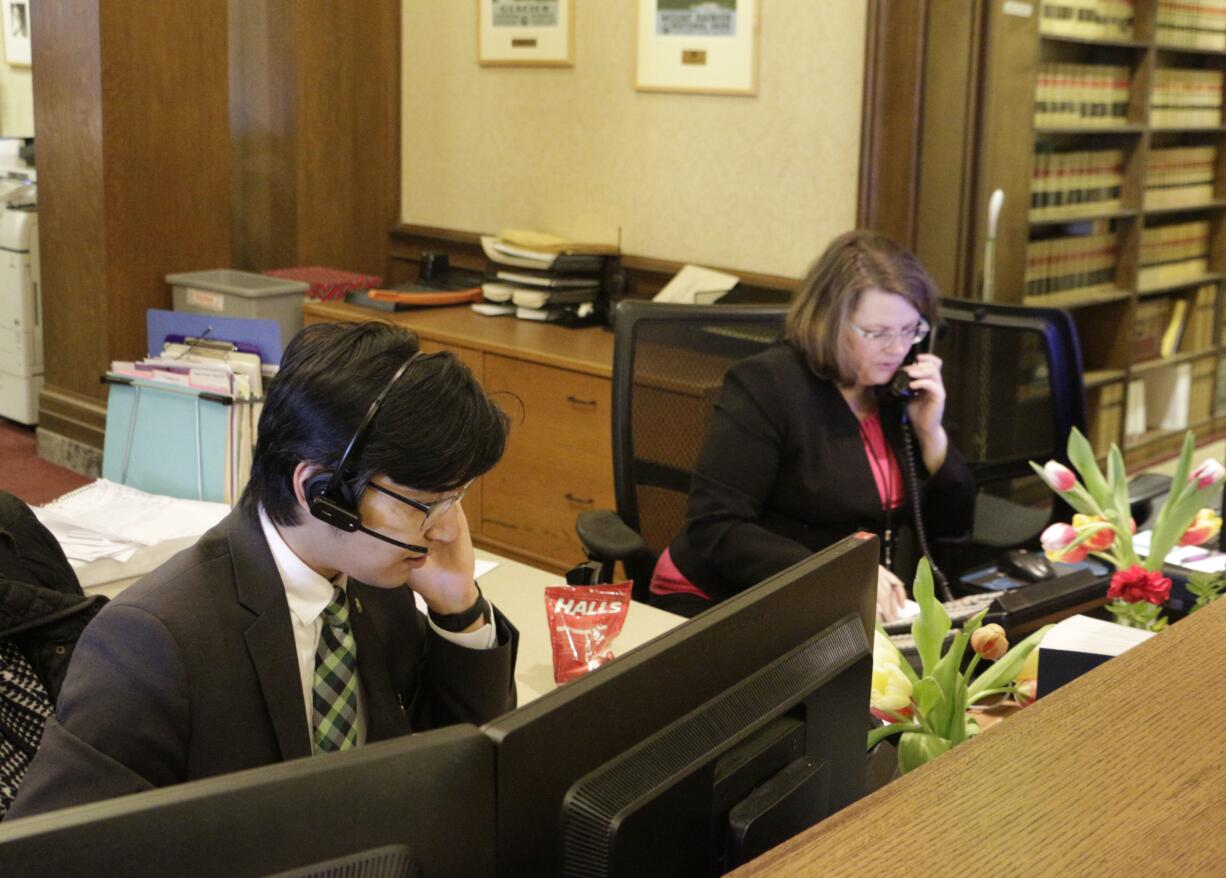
(555, 384)
(1120, 772)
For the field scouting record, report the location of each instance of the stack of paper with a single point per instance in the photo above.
(541, 277)
(108, 520)
(1079, 644)
(182, 421)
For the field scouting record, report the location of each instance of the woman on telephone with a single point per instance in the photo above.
(806, 446)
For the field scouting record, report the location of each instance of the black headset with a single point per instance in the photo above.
(326, 499)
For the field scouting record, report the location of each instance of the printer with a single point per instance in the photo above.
(21, 325)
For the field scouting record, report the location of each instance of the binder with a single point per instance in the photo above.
(167, 439)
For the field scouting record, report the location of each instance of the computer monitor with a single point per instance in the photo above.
(634, 768)
(429, 797)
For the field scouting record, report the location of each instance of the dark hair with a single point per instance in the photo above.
(435, 430)
(853, 263)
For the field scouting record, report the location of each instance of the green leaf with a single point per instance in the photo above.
(1005, 668)
(930, 627)
(1117, 477)
(885, 731)
(928, 699)
(916, 748)
(1179, 481)
(1081, 456)
(948, 675)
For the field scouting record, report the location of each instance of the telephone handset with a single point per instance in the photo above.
(899, 385)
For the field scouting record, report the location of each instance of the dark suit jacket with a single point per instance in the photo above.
(783, 474)
(191, 672)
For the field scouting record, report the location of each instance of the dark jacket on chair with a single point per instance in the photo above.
(192, 672)
(783, 474)
(42, 607)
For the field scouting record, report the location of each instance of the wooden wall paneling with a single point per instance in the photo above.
(72, 239)
(315, 105)
(263, 147)
(348, 131)
(1004, 150)
(890, 128)
(950, 88)
(134, 179)
(166, 155)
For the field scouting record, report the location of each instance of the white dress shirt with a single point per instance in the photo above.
(308, 594)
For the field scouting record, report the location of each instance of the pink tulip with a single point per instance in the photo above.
(1208, 473)
(1057, 536)
(1056, 540)
(1059, 476)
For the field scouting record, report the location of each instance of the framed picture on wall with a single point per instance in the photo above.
(16, 21)
(703, 46)
(527, 33)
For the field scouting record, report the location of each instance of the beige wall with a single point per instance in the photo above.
(751, 183)
(16, 100)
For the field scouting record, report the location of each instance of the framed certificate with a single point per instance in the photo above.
(703, 46)
(527, 33)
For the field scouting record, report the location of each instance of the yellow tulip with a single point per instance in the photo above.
(891, 690)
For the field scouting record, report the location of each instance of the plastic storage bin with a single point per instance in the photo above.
(232, 293)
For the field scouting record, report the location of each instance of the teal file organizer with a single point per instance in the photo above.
(165, 439)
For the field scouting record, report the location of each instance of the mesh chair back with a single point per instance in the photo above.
(1013, 377)
(669, 366)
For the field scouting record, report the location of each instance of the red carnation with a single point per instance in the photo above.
(1137, 584)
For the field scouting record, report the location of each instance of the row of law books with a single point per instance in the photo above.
(1173, 397)
(1071, 262)
(1173, 253)
(1163, 326)
(1199, 25)
(182, 422)
(1066, 181)
(1093, 95)
(1179, 176)
(533, 276)
(1183, 98)
(1087, 19)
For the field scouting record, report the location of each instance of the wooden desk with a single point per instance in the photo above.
(555, 384)
(1118, 773)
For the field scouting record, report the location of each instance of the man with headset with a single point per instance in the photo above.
(285, 630)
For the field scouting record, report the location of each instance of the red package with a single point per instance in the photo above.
(583, 622)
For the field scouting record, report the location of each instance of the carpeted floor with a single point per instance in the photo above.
(24, 473)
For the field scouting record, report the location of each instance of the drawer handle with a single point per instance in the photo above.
(582, 501)
(577, 401)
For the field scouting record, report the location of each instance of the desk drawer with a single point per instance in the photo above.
(559, 460)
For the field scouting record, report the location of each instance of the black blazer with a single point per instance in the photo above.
(783, 474)
(191, 672)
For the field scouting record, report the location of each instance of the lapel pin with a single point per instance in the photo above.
(357, 605)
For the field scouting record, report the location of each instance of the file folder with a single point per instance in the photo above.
(166, 439)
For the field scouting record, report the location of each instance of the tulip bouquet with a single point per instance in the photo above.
(929, 709)
(1103, 526)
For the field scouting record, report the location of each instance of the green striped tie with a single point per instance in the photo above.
(334, 701)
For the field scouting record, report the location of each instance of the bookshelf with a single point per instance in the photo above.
(1103, 122)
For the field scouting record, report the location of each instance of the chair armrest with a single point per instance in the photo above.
(607, 538)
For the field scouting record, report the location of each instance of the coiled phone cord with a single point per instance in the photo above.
(916, 505)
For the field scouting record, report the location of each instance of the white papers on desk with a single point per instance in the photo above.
(694, 285)
(108, 520)
(1199, 558)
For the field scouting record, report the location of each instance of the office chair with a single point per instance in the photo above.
(668, 367)
(1013, 379)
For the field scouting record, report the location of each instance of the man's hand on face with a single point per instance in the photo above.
(446, 581)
